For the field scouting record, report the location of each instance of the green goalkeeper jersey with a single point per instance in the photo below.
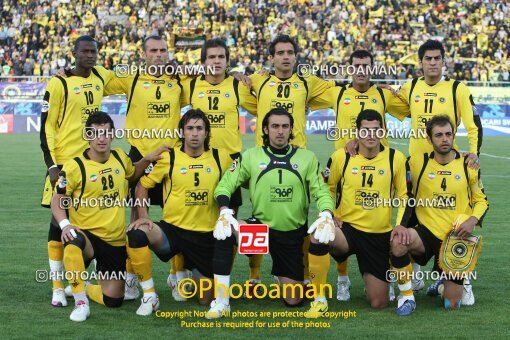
(280, 185)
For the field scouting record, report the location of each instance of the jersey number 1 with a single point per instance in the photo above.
(370, 179)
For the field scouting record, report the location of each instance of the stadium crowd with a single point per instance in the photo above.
(35, 35)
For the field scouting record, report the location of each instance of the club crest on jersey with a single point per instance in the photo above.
(146, 85)
(374, 101)
(296, 85)
(170, 85)
(295, 166)
(117, 171)
(201, 95)
(442, 100)
(208, 170)
(227, 95)
(98, 88)
(354, 171)
(381, 172)
(77, 90)
(432, 175)
(233, 166)
(93, 178)
(262, 166)
(457, 177)
(347, 101)
(184, 171)
(417, 98)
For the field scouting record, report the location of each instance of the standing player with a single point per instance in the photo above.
(361, 186)
(348, 102)
(435, 94)
(189, 175)
(153, 105)
(67, 104)
(284, 89)
(281, 178)
(439, 177)
(96, 226)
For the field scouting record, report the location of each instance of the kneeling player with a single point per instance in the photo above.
(364, 187)
(189, 175)
(452, 188)
(281, 179)
(95, 229)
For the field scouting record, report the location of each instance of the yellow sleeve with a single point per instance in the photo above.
(226, 161)
(403, 92)
(256, 82)
(117, 85)
(478, 198)
(158, 173)
(247, 100)
(52, 103)
(396, 105)
(107, 75)
(128, 163)
(400, 184)
(333, 172)
(325, 100)
(72, 175)
(185, 93)
(318, 86)
(465, 110)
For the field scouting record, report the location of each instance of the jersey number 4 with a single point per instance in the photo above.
(369, 181)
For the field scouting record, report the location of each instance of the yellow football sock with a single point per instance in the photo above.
(341, 268)
(129, 267)
(404, 279)
(141, 261)
(95, 293)
(178, 262)
(319, 266)
(172, 266)
(306, 246)
(255, 262)
(56, 254)
(73, 262)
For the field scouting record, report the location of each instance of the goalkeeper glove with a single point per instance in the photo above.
(226, 220)
(324, 228)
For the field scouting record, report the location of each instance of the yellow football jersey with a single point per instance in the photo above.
(442, 192)
(188, 187)
(347, 103)
(364, 188)
(292, 94)
(68, 101)
(220, 102)
(153, 109)
(447, 97)
(100, 191)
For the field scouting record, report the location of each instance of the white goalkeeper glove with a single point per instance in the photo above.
(226, 220)
(324, 228)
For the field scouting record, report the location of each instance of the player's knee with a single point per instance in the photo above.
(452, 304)
(137, 238)
(78, 241)
(293, 302)
(378, 303)
(398, 249)
(55, 233)
(318, 249)
(112, 302)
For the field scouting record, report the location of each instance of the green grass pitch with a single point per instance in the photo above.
(26, 311)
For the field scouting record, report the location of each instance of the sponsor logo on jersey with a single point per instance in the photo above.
(158, 81)
(430, 94)
(86, 86)
(105, 171)
(361, 97)
(279, 163)
(281, 193)
(196, 166)
(213, 91)
(444, 200)
(93, 178)
(288, 105)
(196, 197)
(444, 173)
(216, 119)
(158, 109)
(354, 171)
(367, 199)
(368, 167)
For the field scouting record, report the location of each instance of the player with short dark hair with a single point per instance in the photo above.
(96, 225)
(281, 179)
(67, 103)
(189, 175)
(361, 185)
(443, 178)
